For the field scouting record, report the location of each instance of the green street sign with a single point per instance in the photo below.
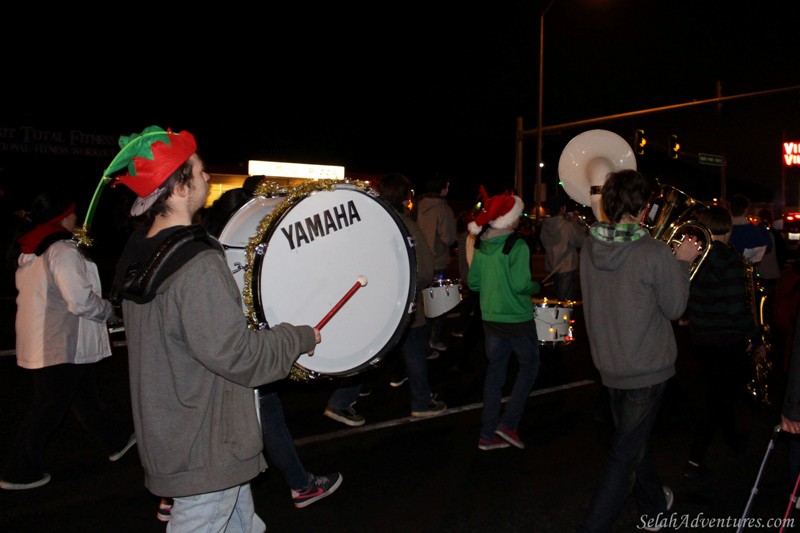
(710, 159)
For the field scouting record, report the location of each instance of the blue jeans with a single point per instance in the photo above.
(469, 311)
(230, 510)
(414, 347)
(629, 467)
(343, 397)
(498, 353)
(278, 442)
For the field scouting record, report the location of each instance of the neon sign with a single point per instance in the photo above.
(791, 154)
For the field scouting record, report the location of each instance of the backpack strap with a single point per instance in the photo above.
(509, 244)
(142, 281)
(479, 235)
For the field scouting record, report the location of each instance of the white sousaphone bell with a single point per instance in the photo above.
(586, 162)
(590, 157)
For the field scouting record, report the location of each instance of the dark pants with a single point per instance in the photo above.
(279, 445)
(629, 467)
(723, 381)
(57, 390)
(565, 285)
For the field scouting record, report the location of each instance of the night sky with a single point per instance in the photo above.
(420, 88)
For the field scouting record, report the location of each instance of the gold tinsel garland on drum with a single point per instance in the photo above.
(268, 189)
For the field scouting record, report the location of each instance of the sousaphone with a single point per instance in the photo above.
(585, 164)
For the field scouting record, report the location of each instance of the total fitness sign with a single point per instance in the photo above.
(791, 154)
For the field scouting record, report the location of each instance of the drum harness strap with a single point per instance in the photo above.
(142, 281)
(507, 246)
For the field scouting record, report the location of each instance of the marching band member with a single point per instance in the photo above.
(501, 273)
(622, 268)
(723, 333)
(193, 361)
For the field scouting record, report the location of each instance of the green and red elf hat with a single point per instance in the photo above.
(150, 157)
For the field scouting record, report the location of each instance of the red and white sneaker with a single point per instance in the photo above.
(491, 444)
(510, 436)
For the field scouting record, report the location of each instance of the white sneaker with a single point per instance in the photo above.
(438, 346)
(670, 500)
(8, 485)
(116, 456)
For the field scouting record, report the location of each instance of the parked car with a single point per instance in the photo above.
(790, 229)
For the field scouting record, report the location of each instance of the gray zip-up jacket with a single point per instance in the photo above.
(561, 239)
(438, 223)
(193, 367)
(631, 292)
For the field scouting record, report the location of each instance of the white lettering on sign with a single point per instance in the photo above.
(321, 224)
(791, 154)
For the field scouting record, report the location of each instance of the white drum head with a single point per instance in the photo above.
(315, 253)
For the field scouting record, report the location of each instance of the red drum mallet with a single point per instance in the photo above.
(362, 281)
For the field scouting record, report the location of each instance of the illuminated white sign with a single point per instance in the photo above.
(275, 169)
(791, 154)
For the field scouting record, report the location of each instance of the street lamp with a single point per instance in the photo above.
(537, 195)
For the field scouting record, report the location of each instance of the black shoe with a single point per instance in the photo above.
(696, 471)
(347, 416)
(438, 346)
(434, 408)
(398, 381)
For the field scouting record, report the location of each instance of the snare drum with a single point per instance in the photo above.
(553, 321)
(442, 296)
(296, 257)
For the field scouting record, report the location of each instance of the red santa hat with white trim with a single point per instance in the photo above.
(500, 211)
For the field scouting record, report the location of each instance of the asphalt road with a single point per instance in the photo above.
(424, 475)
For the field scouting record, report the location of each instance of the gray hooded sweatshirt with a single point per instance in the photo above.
(194, 365)
(632, 290)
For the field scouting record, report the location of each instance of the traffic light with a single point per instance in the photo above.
(674, 146)
(639, 141)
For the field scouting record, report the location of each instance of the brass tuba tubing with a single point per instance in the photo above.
(668, 217)
(758, 386)
(706, 243)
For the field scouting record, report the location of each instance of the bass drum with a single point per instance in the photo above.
(296, 257)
